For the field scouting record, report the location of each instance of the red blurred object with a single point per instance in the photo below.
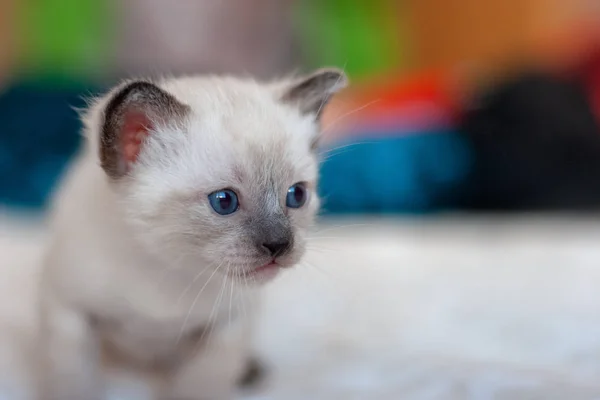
(419, 102)
(590, 71)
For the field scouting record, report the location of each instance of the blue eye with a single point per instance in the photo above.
(224, 202)
(296, 196)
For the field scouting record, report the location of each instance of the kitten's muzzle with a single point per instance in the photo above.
(273, 236)
(275, 249)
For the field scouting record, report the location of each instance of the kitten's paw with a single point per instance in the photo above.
(254, 374)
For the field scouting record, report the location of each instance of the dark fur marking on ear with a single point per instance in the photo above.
(313, 92)
(153, 102)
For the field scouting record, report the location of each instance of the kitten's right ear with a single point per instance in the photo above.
(135, 111)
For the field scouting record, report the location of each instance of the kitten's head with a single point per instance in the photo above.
(216, 173)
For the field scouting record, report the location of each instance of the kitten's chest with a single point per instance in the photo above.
(156, 325)
(147, 344)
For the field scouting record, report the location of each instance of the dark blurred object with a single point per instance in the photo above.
(589, 70)
(536, 144)
(39, 134)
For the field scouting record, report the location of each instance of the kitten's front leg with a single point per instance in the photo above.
(69, 367)
(213, 373)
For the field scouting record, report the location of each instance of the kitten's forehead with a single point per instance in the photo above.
(241, 130)
(224, 96)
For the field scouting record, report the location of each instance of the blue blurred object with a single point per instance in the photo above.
(416, 173)
(39, 133)
(410, 173)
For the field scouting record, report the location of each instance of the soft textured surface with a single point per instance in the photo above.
(443, 309)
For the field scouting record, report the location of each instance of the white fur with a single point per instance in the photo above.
(148, 257)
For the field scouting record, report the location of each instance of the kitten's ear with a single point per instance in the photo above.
(134, 111)
(311, 93)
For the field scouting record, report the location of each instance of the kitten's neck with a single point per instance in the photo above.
(93, 246)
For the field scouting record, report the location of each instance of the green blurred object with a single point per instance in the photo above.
(65, 38)
(364, 37)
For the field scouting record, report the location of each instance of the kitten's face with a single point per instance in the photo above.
(219, 175)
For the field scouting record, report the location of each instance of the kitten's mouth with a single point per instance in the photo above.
(265, 272)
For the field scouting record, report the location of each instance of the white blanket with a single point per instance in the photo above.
(453, 308)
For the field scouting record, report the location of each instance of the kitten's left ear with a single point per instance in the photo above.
(311, 93)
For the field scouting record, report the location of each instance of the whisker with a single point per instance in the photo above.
(316, 238)
(334, 151)
(231, 297)
(347, 114)
(338, 227)
(336, 83)
(336, 279)
(184, 292)
(313, 266)
(322, 249)
(187, 317)
(212, 318)
(326, 156)
(242, 297)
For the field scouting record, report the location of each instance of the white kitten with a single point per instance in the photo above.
(188, 192)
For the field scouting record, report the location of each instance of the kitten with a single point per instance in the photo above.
(189, 194)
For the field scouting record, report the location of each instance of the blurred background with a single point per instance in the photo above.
(464, 118)
(455, 104)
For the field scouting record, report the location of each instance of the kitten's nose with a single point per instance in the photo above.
(277, 248)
